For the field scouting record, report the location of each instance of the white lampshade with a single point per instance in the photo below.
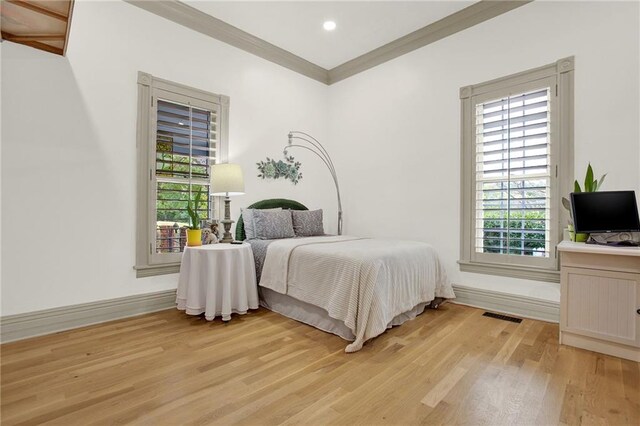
(227, 179)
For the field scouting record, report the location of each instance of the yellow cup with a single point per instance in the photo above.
(194, 237)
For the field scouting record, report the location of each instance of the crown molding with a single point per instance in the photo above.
(449, 25)
(201, 22)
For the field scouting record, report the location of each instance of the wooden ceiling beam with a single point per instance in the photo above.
(42, 46)
(39, 9)
(67, 30)
(32, 37)
(33, 33)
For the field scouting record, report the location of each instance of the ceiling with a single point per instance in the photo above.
(296, 26)
(43, 24)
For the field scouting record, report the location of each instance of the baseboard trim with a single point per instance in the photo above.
(32, 324)
(513, 304)
(38, 323)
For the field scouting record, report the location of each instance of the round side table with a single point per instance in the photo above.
(217, 279)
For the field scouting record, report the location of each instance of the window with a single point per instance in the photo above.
(517, 144)
(181, 133)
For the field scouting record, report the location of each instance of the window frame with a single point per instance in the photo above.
(149, 263)
(560, 73)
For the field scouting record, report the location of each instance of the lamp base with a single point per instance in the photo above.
(227, 237)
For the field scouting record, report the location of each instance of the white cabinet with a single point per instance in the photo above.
(600, 299)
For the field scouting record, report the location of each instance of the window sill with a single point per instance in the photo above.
(522, 272)
(153, 270)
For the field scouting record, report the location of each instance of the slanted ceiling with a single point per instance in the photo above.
(43, 24)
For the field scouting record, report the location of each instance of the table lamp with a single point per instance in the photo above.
(227, 180)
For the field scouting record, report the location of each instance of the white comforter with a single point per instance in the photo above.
(363, 282)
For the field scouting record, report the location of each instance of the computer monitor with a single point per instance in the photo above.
(605, 211)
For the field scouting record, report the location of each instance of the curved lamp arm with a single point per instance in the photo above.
(316, 147)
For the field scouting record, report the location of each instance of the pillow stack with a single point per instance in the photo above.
(270, 224)
(249, 224)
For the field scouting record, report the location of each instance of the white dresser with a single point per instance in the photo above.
(600, 298)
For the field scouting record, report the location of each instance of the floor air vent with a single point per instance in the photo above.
(502, 317)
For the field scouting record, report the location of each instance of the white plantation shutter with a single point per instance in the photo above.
(513, 175)
(181, 132)
(516, 164)
(184, 132)
(185, 150)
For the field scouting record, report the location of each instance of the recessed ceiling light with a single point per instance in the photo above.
(329, 25)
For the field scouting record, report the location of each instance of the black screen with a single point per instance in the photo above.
(606, 211)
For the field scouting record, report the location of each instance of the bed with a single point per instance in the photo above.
(350, 286)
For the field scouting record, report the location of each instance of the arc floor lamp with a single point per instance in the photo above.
(302, 140)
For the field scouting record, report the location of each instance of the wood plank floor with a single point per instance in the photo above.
(450, 366)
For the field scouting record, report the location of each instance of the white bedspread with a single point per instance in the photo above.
(363, 282)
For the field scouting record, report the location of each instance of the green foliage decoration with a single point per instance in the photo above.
(590, 185)
(276, 169)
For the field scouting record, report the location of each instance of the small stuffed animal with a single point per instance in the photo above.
(206, 235)
(214, 231)
(210, 235)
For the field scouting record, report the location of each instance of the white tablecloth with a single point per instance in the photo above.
(217, 279)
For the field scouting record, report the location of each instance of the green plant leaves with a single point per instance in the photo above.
(600, 182)
(576, 187)
(193, 214)
(588, 180)
(590, 185)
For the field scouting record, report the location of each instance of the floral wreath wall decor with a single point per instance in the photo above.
(288, 169)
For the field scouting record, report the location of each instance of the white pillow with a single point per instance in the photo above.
(249, 221)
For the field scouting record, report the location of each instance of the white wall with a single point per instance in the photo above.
(69, 147)
(68, 136)
(395, 128)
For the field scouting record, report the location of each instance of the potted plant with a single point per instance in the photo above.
(194, 233)
(590, 185)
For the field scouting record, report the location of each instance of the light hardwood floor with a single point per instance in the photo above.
(451, 366)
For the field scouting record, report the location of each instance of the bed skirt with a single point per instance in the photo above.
(318, 317)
